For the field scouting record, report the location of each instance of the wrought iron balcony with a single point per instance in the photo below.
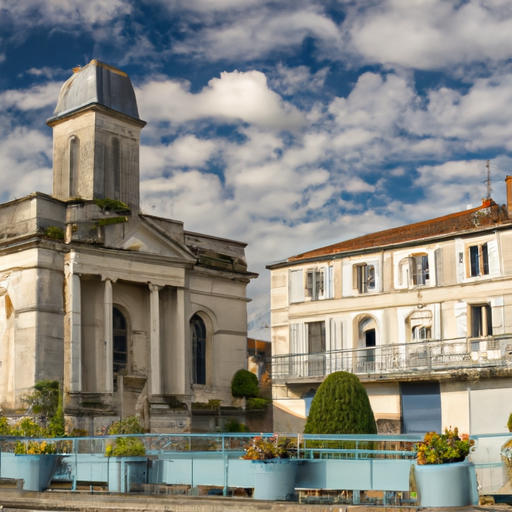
(425, 357)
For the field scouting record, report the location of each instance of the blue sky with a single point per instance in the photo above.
(287, 124)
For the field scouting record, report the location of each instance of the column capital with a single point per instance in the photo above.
(155, 287)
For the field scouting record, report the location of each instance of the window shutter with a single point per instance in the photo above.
(296, 286)
(294, 339)
(320, 283)
(328, 273)
(297, 339)
(356, 277)
(460, 310)
(438, 257)
(494, 257)
(309, 283)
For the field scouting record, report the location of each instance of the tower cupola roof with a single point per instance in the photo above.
(100, 84)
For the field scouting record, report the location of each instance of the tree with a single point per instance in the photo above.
(245, 385)
(341, 406)
(44, 400)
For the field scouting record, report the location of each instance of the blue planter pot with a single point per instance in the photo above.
(36, 470)
(446, 485)
(274, 479)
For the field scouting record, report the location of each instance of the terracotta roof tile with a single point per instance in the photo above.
(488, 214)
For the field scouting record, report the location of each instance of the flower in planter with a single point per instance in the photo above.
(34, 448)
(444, 448)
(126, 446)
(274, 447)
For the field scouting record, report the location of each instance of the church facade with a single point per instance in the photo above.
(133, 314)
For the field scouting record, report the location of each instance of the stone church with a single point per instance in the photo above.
(133, 314)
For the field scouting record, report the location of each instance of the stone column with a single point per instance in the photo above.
(108, 339)
(74, 319)
(154, 339)
(183, 374)
(485, 331)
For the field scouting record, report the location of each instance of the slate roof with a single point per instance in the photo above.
(97, 83)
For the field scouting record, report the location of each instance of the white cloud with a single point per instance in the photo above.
(233, 97)
(24, 157)
(38, 96)
(186, 151)
(248, 33)
(299, 79)
(431, 34)
(66, 13)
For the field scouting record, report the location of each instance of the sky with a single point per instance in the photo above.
(288, 124)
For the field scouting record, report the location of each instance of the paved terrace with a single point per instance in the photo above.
(18, 501)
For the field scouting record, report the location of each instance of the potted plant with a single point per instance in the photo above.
(444, 477)
(274, 470)
(127, 461)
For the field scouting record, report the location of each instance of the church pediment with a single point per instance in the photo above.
(149, 238)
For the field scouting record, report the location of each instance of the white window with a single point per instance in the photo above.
(481, 321)
(315, 283)
(413, 271)
(478, 260)
(365, 278)
(320, 283)
(482, 259)
(421, 333)
(419, 270)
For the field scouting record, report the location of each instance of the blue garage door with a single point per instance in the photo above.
(421, 407)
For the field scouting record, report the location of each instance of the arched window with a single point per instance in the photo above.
(74, 155)
(120, 335)
(198, 336)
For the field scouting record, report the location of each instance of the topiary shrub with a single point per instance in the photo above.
(245, 385)
(341, 406)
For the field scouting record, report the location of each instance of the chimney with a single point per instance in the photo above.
(508, 181)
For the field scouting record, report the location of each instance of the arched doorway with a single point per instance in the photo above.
(367, 341)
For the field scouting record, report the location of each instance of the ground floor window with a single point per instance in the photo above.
(421, 407)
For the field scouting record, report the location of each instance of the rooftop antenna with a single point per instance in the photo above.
(488, 180)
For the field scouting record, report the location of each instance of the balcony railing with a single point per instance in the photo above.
(393, 358)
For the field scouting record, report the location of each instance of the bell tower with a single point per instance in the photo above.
(96, 137)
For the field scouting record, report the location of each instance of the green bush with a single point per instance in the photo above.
(130, 425)
(44, 399)
(233, 425)
(245, 385)
(126, 446)
(54, 232)
(111, 205)
(257, 404)
(341, 406)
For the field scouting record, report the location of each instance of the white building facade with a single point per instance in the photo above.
(133, 314)
(421, 313)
